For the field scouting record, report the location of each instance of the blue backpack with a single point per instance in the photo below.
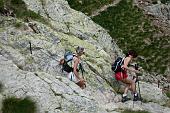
(67, 65)
(116, 66)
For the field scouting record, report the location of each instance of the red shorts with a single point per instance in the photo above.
(121, 75)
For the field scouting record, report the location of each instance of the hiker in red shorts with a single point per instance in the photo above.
(123, 77)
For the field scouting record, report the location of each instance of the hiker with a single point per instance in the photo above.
(123, 77)
(73, 74)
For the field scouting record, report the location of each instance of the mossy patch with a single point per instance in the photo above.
(18, 24)
(70, 42)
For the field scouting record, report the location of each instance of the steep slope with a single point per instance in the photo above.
(39, 76)
(140, 22)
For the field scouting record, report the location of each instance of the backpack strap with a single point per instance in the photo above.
(123, 60)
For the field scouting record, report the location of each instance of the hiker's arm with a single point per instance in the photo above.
(76, 62)
(61, 61)
(125, 66)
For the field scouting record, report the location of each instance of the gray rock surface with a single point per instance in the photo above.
(39, 76)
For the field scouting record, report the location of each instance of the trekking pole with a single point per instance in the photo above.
(133, 97)
(42, 52)
(30, 47)
(158, 83)
(137, 68)
(140, 97)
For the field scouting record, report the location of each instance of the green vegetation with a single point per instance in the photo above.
(17, 105)
(131, 111)
(132, 30)
(165, 1)
(88, 6)
(21, 11)
(168, 94)
(18, 24)
(1, 4)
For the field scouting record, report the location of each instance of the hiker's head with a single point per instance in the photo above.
(80, 50)
(132, 53)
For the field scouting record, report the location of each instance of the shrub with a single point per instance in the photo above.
(165, 1)
(168, 94)
(17, 105)
(131, 111)
(154, 1)
(20, 10)
(18, 24)
(1, 5)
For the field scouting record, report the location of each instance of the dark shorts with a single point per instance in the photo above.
(121, 75)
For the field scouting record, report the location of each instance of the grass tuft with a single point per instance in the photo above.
(168, 94)
(131, 111)
(17, 105)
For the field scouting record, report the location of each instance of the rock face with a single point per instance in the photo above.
(67, 20)
(53, 93)
(39, 76)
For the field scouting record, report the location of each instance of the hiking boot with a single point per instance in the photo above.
(136, 97)
(124, 99)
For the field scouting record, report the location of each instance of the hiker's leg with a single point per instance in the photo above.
(126, 89)
(131, 85)
(124, 96)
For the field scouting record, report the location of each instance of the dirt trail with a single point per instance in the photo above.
(98, 11)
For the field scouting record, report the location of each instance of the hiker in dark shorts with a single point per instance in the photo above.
(123, 76)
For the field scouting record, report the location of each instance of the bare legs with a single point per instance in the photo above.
(130, 85)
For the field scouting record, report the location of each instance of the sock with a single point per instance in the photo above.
(124, 95)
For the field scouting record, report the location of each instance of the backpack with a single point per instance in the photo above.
(67, 62)
(116, 66)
